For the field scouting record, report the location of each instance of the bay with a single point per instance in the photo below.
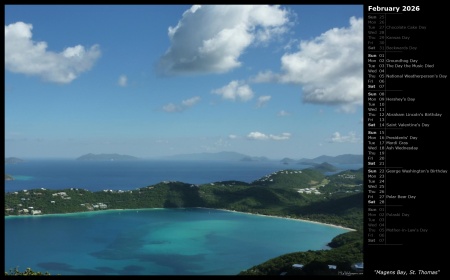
(156, 241)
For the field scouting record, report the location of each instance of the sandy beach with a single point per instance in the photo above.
(279, 217)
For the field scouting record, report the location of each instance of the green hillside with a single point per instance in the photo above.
(291, 178)
(321, 262)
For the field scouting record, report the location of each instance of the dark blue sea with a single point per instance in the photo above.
(129, 175)
(149, 241)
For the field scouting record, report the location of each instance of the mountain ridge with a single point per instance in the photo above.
(340, 159)
(235, 156)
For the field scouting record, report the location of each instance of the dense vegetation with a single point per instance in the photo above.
(26, 272)
(347, 250)
(305, 194)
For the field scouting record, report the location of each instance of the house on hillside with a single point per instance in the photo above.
(358, 266)
(332, 266)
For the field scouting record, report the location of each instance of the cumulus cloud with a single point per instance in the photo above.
(123, 81)
(211, 38)
(257, 136)
(232, 136)
(185, 104)
(350, 138)
(262, 100)
(329, 67)
(261, 136)
(23, 55)
(235, 90)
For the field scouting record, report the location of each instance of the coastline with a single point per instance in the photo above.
(83, 212)
(137, 209)
(279, 217)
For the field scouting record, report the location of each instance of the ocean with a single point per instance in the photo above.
(149, 241)
(129, 175)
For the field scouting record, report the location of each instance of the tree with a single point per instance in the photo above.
(26, 272)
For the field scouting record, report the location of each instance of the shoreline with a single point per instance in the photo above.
(137, 209)
(279, 217)
(84, 212)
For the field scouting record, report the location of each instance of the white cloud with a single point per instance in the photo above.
(172, 108)
(185, 104)
(329, 68)
(190, 102)
(23, 55)
(283, 113)
(350, 138)
(283, 136)
(232, 136)
(265, 77)
(123, 81)
(262, 100)
(291, 43)
(261, 136)
(211, 38)
(235, 90)
(257, 136)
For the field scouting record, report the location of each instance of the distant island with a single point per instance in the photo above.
(234, 156)
(288, 161)
(107, 157)
(248, 158)
(324, 167)
(220, 156)
(13, 160)
(341, 159)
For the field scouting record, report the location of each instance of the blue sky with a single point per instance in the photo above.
(156, 80)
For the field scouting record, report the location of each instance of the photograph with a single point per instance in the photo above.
(173, 139)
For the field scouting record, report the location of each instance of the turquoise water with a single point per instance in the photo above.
(23, 177)
(155, 241)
